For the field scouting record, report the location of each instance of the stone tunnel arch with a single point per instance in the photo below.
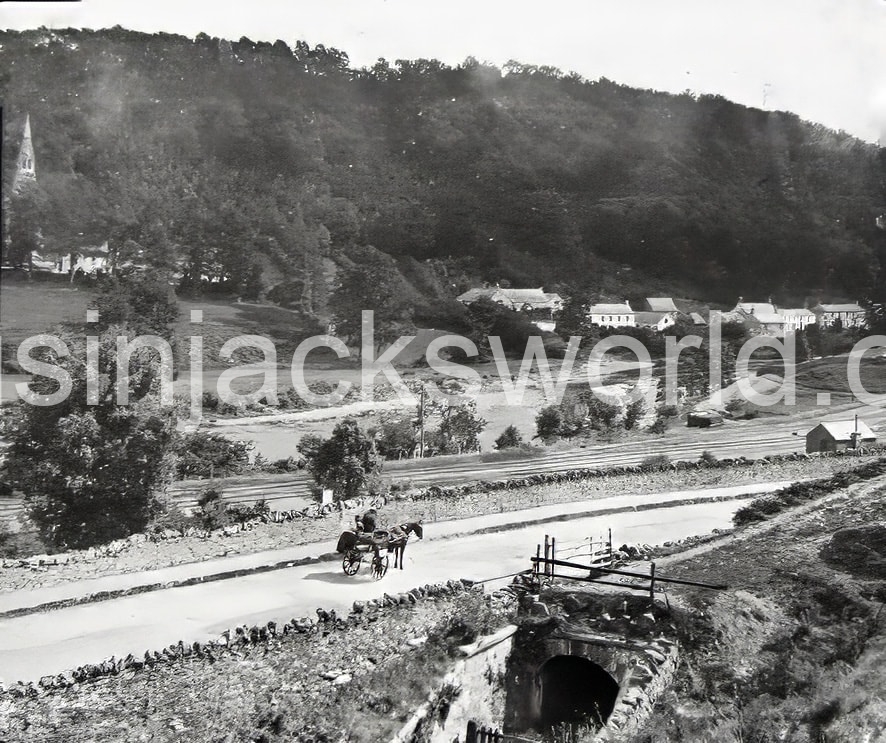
(575, 689)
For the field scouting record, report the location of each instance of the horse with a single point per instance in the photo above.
(399, 536)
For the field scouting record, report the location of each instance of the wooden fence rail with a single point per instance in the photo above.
(482, 734)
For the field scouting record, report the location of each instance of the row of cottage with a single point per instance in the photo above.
(660, 313)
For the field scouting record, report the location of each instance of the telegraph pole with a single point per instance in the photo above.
(421, 424)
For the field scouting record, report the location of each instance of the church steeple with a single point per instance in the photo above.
(26, 166)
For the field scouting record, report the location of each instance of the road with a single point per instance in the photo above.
(36, 645)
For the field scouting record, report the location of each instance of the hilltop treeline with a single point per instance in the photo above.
(255, 165)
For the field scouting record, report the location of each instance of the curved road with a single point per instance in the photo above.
(39, 644)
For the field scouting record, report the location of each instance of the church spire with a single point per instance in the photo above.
(26, 166)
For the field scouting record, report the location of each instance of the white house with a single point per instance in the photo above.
(616, 315)
(659, 321)
(795, 319)
(851, 315)
(87, 260)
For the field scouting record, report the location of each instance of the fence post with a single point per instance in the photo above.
(471, 734)
(537, 557)
(553, 554)
(652, 582)
(547, 555)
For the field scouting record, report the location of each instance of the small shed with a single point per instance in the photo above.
(704, 419)
(838, 436)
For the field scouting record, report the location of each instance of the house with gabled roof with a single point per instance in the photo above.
(661, 304)
(659, 321)
(612, 315)
(795, 319)
(764, 318)
(760, 318)
(538, 304)
(830, 436)
(848, 315)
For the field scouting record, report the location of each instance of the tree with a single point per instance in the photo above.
(395, 439)
(509, 439)
(92, 473)
(372, 283)
(482, 316)
(211, 455)
(460, 427)
(144, 304)
(633, 413)
(548, 422)
(26, 214)
(344, 462)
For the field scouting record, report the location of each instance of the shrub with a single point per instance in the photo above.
(656, 460)
(548, 422)
(211, 455)
(758, 509)
(708, 457)
(172, 518)
(659, 425)
(516, 452)
(633, 413)
(509, 438)
(210, 401)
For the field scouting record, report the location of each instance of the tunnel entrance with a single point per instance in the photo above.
(575, 690)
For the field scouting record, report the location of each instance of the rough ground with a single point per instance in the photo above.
(795, 648)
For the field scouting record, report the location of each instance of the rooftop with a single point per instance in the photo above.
(843, 430)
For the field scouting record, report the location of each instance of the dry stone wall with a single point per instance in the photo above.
(267, 635)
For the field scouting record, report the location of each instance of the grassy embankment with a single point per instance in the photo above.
(793, 651)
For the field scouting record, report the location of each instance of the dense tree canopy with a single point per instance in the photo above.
(345, 462)
(246, 165)
(92, 472)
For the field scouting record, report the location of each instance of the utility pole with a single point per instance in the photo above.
(421, 424)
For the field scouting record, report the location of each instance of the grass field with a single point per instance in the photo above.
(30, 308)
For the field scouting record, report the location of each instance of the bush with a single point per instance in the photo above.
(633, 413)
(656, 461)
(211, 455)
(708, 457)
(509, 438)
(548, 422)
(659, 425)
(758, 509)
(516, 452)
(172, 518)
(210, 401)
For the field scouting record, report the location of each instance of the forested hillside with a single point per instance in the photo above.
(271, 165)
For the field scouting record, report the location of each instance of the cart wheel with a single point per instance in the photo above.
(379, 566)
(351, 562)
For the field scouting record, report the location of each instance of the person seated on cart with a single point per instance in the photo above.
(366, 522)
(366, 531)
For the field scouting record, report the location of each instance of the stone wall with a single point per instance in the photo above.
(229, 641)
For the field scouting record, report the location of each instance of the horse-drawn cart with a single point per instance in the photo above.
(355, 546)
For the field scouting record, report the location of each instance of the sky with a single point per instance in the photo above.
(822, 59)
